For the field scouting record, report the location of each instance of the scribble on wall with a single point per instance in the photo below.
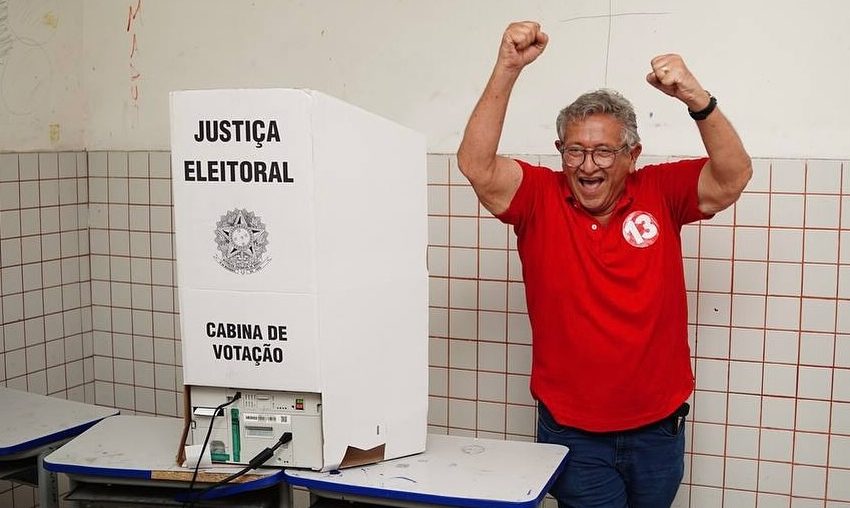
(135, 73)
(26, 70)
(5, 35)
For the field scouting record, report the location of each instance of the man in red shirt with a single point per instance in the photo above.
(602, 265)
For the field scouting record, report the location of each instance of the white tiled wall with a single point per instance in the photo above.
(89, 312)
(45, 316)
(88, 295)
(134, 303)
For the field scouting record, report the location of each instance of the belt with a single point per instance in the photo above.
(676, 419)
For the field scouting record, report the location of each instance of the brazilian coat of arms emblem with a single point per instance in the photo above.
(241, 238)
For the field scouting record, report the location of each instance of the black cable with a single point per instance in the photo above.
(220, 407)
(254, 463)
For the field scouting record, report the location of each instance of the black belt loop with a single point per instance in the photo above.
(679, 415)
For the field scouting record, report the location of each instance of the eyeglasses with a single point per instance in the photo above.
(603, 157)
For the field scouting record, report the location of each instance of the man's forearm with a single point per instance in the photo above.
(731, 167)
(477, 152)
(495, 179)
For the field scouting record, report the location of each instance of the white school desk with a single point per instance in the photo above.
(453, 471)
(131, 459)
(34, 425)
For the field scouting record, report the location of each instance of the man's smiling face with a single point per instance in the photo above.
(597, 188)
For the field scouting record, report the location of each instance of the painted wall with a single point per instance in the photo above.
(42, 102)
(772, 65)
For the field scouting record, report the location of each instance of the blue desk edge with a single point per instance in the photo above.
(52, 438)
(146, 474)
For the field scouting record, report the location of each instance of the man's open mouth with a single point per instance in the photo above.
(590, 183)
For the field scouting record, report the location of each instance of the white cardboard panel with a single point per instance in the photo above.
(210, 359)
(379, 288)
(386, 401)
(283, 207)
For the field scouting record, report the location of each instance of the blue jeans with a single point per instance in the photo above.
(639, 468)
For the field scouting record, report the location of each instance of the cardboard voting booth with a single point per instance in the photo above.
(301, 236)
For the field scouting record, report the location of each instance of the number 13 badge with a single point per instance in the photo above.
(640, 229)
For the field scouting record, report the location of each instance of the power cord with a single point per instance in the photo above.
(254, 463)
(220, 407)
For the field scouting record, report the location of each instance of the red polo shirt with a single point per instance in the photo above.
(607, 304)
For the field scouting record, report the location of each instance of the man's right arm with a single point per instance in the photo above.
(494, 178)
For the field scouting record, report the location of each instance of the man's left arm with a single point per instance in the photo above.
(729, 168)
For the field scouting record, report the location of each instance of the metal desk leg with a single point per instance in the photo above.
(285, 495)
(48, 486)
(72, 485)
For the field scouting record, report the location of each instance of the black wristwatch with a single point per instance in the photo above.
(704, 112)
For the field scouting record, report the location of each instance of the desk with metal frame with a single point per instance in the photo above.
(131, 461)
(453, 471)
(33, 426)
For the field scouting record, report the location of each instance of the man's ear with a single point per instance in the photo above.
(558, 145)
(634, 153)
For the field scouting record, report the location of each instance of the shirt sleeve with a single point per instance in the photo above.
(679, 183)
(522, 204)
